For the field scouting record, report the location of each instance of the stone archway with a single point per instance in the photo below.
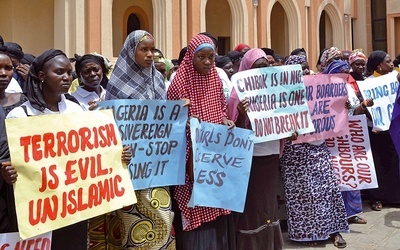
(336, 20)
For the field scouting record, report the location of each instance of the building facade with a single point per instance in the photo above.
(84, 26)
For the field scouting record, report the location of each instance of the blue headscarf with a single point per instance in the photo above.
(336, 66)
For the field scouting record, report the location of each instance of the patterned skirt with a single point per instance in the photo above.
(314, 204)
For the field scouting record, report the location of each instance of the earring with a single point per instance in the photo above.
(41, 84)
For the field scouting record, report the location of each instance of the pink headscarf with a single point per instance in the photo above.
(240, 47)
(250, 58)
(329, 55)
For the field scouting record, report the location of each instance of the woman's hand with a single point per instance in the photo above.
(367, 103)
(8, 172)
(228, 122)
(348, 105)
(23, 70)
(93, 105)
(187, 102)
(126, 154)
(293, 137)
(243, 106)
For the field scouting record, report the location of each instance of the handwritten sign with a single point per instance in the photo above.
(11, 241)
(69, 169)
(326, 96)
(156, 132)
(277, 101)
(352, 157)
(383, 90)
(222, 163)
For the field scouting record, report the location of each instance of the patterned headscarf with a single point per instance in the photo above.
(208, 102)
(295, 59)
(357, 55)
(329, 55)
(250, 58)
(337, 66)
(131, 81)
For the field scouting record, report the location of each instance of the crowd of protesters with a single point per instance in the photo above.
(316, 209)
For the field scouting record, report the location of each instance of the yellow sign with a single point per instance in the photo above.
(69, 169)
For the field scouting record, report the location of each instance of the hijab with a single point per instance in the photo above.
(336, 66)
(33, 91)
(81, 61)
(131, 81)
(204, 91)
(250, 58)
(295, 59)
(374, 59)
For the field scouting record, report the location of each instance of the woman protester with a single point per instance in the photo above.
(92, 72)
(146, 224)
(315, 208)
(198, 81)
(258, 226)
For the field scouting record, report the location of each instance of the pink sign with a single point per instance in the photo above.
(326, 97)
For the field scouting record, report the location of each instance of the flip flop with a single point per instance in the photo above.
(338, 240)
(377, 206)
(357, 220)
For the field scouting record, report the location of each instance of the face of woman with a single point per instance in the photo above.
(260, 63)
(228, 68)
(6, 71)
(358, 66)
(306, 68)
(91, 75)
(56, 75)
(386, 66)
(203, 60)
(144, 53)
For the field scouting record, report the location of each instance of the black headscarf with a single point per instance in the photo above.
(374, 59)
(33, 91)
(297, 51)
(28, 59)
(221, 61)
(14, 50)
(90, 58)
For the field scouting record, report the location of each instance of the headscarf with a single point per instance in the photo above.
(329, 55)
(235, 56)
(81, 61)
(357, 55)
(295, 59)
(240, 47)
(204, 91)
(221, 61)
(297, 51)
(14, 50)
(27, 59)
(374, 59)
(250, 58)
(336, 66)
(208, 102)
(269, 52)
(33, 91)
(131, 81)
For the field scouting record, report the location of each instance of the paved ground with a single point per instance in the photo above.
(381, 232)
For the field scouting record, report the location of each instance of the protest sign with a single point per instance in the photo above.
(352, 157)
(156, 132)
(326, 96)
(11, 241)
(222, 162)
(69, 169)
(383, 90)
(277, 101)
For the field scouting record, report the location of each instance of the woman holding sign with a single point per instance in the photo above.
(198, 81)
(386, 160)
(315, 208)
(258, 226)
(147, 224)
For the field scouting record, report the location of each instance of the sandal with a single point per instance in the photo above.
(357, 220)
(338, 240)
(377, 206)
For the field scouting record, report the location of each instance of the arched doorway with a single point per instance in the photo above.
(325, 32)
(331, 26)
(279, 30)
(218, 23)
(127, 18)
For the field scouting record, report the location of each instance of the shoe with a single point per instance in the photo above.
(338, 240)
(377, 206)
(357, 220)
